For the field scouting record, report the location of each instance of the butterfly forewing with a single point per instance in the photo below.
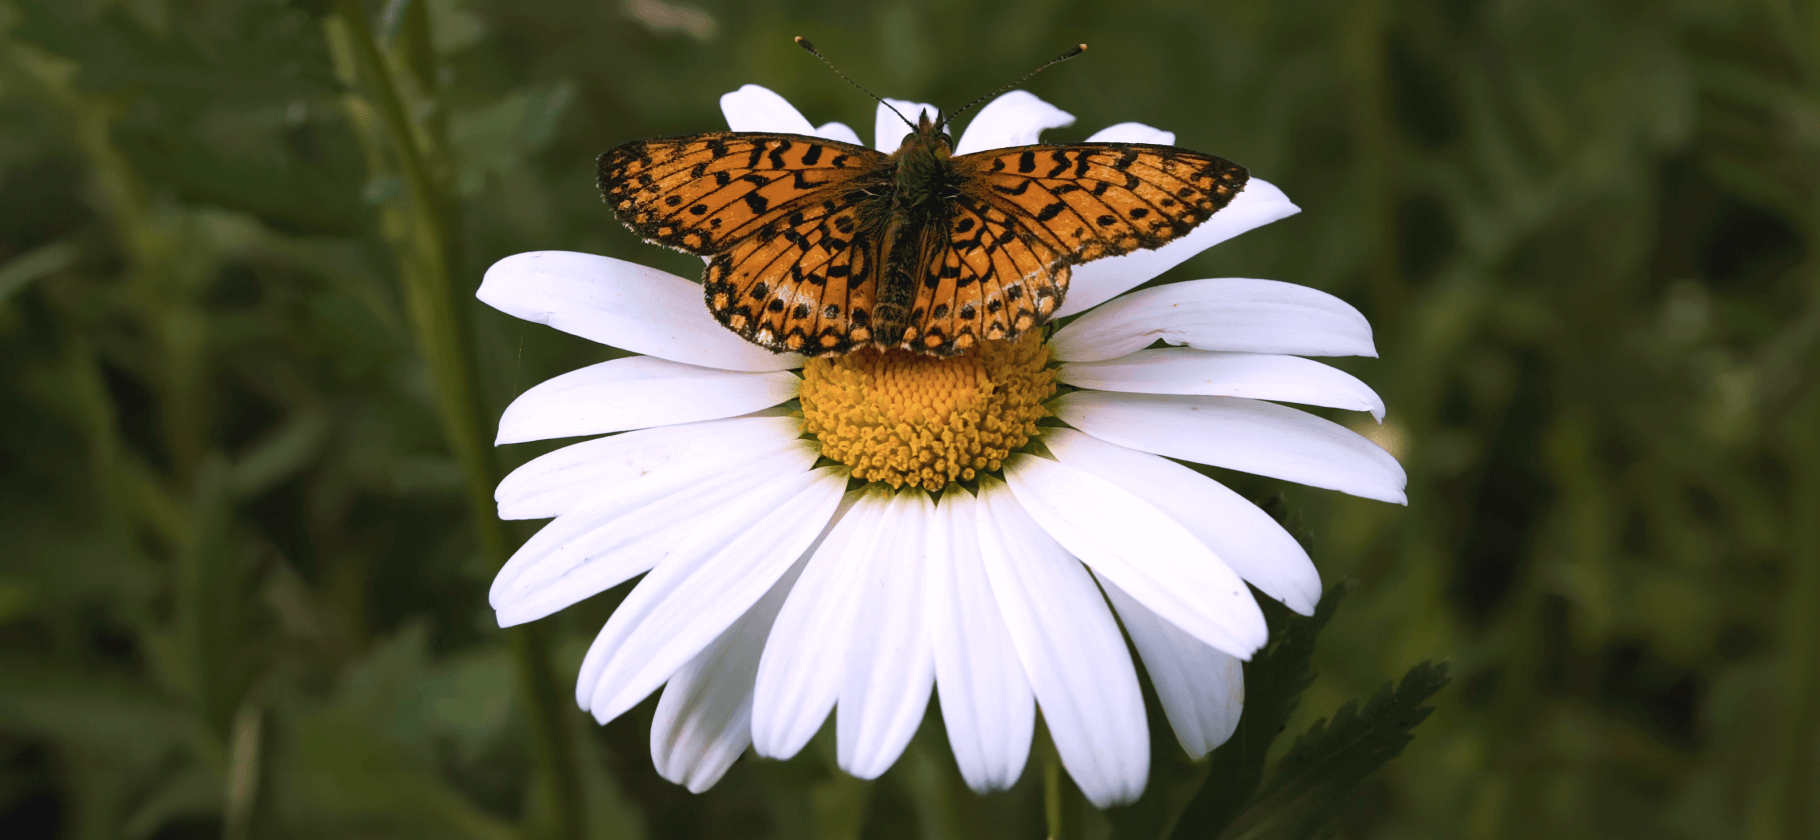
(781, 216)
(1093, 200)
(704, 192)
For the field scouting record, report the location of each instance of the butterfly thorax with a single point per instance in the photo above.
(925, 173)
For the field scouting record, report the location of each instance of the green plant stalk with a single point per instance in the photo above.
(1797, 770)
(1787, 809)
(436, 320)
(1363, 52)
(1783, 806)
(1063, 805)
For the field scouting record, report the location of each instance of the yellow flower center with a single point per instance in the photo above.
(901, 418)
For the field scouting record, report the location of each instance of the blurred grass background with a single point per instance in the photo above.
(241, 437)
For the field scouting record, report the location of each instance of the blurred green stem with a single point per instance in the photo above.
(422, 241)
(1063, 805)
(1362, 49)
(1786, 808)
(1792, 809)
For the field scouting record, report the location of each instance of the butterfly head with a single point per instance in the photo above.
(930, 136)
(933, 133)
(922, 161)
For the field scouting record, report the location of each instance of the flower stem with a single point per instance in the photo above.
(422, 241)
(1786, 807)
(1063, 805)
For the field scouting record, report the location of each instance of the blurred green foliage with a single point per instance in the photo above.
(243, 586)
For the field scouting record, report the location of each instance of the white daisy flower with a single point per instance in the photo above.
(774, 595)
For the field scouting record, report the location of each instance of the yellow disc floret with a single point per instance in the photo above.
(902, 418)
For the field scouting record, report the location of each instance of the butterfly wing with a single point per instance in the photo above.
(808, 288)
(1026, 214)
(790, 222)
(983, 277)
(703, 192)
(1096, 200)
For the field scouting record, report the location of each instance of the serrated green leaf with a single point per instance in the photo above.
(1274, 682)
(1313, 782)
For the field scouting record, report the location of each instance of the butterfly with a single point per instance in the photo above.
(822, 248)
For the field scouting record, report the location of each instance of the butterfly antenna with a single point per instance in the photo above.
(1076, 50)
(804, 43)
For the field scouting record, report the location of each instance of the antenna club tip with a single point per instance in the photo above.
(804, 43)
(1078, 49)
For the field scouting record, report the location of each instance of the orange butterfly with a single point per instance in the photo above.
(821, 247)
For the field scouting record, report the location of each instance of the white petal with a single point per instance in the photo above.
(801, 671)
(623, 533)
(754, 108)
(1202, 690)
(839, 131)
(637, 392)
(1131, 132)
(704, 718)
(1183, 370)
(706, 583)
(1091, 284)
(622, 304)
(888, 129)
(1246, 538)
(1239, 434)
(1070, 648)
(1153, 557)
(890, 666)
(1015, 119)
(1227, 313)
(554, 483)
(986, 702)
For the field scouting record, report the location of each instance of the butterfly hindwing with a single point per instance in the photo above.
(704, 192)
(984, 276)
(808, 287)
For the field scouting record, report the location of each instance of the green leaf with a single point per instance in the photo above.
(273, 56)
(346, 777)
(1311, 784)
(46, 259)
(1274, 682)
(386, 751)
(500, 136)
(102, 712)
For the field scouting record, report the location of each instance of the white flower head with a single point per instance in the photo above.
(774, 595)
